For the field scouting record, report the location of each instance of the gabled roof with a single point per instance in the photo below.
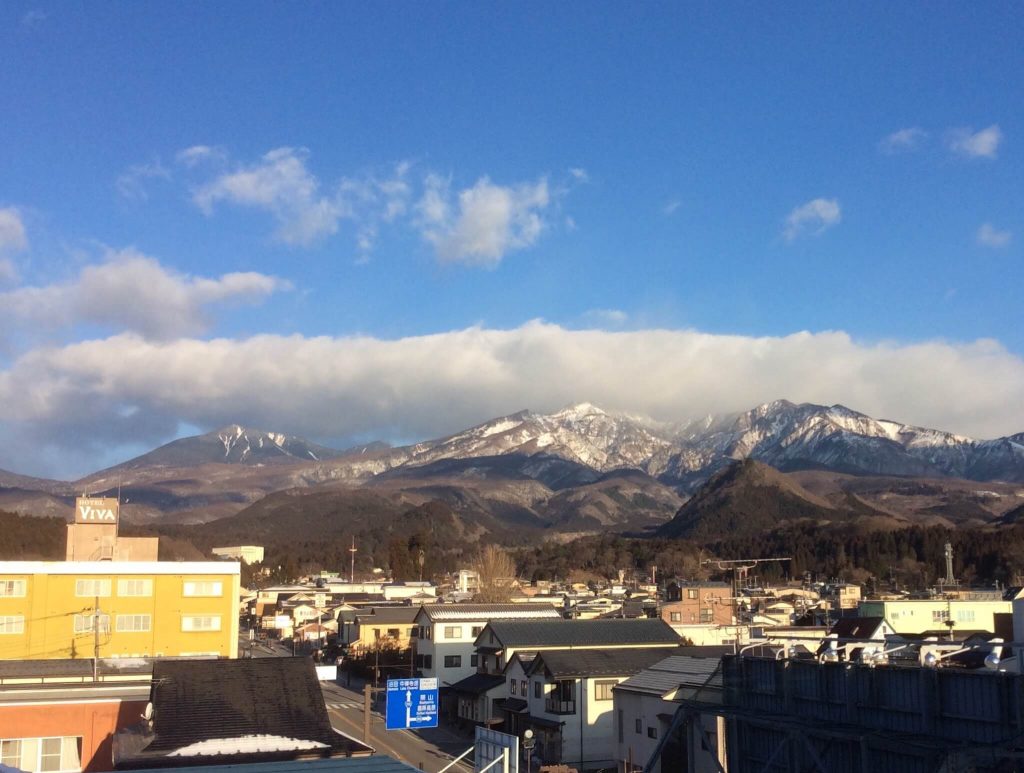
(469, 612)
(386, 615)
(856, 627)
(668, 675)
(477, 684)
(216, 711)
(567, 633)
(581, 664)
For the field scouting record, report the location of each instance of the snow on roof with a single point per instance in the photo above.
(245, 744)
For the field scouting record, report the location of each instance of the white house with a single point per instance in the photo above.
(445, 634)
(646, 705)
(571, 702)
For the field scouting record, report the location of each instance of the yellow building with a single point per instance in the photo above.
(383, 627)
(916, 616)
(69, 609)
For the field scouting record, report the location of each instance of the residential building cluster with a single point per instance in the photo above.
(111, 661)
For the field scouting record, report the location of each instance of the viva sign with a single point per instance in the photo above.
(96, 510)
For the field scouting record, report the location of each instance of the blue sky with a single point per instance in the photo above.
(741, 203)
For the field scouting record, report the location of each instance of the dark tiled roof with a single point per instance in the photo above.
(74, 668)
(578, 664)
(382, 615)
(203, 700)
(856, 627)
(567, 633)
(476, 684)
(378, 763)
(512, 704)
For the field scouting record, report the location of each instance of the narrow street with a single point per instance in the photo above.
(429, 749)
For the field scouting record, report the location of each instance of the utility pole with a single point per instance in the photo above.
(352, 569)
(367, 694)
(96, 640)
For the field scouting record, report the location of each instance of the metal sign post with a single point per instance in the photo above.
(411, 704)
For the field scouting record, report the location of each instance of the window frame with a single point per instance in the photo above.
(99, 583)
(453, 661)
(141, 617)
(605, 686)
(197, 591)
(15, 622)
(211, 616)
(13, 583)
(102, 620)
(124, 584)
(448, 632)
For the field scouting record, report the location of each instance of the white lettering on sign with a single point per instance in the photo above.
(87, 513)
(96, 510)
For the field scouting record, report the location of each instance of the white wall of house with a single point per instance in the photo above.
(639, 729)
(588, 735)
(449, 645)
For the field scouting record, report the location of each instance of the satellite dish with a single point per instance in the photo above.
(930, 660)
(992, 661)
(148, 713)
(528, 733)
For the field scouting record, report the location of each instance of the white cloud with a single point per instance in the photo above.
(12, 231)
(903, 140)
(606, 317)
(980, 144)
(814, 217)
(8, 271)
(488, 221)
(990, 236)
(130, 291)
(281, 184)
(427, 386)
(198, 154)
(579, 174)
(132, 183)
(671, 207)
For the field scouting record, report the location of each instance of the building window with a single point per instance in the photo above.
(639, 725)
(393, 633)
(622, 725)
(135, 588)
(134, 623)
(12, 588)
(207, 588)
(90, 623)
(538, 689)
(474, 660)
(691, 593)
(965, 615)
(12, 624)
(603, 690)
(92, 588)
(10, 753)
(707, 615)
(453, 661)
(476, 630)
(675, 617)
(524, 692)
(43, 755)
(939, 616)
(426, 632)
(652, 732)
(428, 661)
(200, 622)
(453, 632)
(512, 686)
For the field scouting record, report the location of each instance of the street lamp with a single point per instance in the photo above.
(528, 742)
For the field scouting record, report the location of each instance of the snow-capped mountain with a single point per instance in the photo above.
(789, 436)
(233, 444)
(581, 433)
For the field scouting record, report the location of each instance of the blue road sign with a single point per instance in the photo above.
(412, 704)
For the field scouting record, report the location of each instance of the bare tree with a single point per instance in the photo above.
(497, 574)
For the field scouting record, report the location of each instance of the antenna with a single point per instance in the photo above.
(352, 569)
(950, 580)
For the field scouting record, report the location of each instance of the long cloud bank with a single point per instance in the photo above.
(91, 395)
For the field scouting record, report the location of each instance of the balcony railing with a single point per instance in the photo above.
(555, 706)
